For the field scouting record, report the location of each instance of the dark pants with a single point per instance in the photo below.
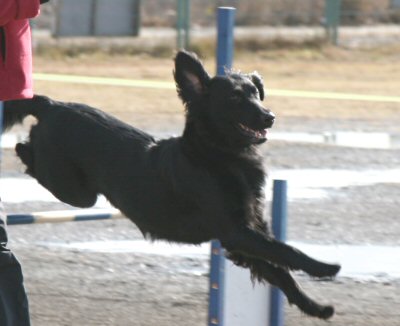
(14, 310)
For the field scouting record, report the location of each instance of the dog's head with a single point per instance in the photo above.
(229, 105)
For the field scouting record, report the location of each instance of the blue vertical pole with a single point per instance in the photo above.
(217, 274)
(279, 222)
(225, 24)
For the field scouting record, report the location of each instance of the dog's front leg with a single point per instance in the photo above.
(281, 278)
(251, 243)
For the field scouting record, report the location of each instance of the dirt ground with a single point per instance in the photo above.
(70, 287)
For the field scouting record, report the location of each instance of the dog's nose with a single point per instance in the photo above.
(269, 119)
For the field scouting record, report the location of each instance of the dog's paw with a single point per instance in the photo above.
(323, 270)
(327, 312)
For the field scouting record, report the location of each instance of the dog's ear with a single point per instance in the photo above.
(190, 76)
(258, 82)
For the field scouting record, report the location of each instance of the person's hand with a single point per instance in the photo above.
(43, 1)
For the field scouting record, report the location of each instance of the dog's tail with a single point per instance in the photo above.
(15, 111)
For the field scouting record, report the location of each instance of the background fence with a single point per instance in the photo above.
(163, 13)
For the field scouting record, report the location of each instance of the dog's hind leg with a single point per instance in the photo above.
(281, 278)
(254, 244)
(64, 181)
(70, 186)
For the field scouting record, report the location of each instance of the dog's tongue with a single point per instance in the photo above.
(263, 132)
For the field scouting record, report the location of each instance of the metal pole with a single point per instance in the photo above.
(332, 19)
(183, 24)
(93, 17)
(226, 22)
(225, 25)
(217, 275)
(138, 17)
(179, 17)
(279, 222)
(186, 23)
(64, 216)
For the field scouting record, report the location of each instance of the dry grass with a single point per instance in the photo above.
(326, 69)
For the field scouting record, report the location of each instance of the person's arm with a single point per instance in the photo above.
(18, 9)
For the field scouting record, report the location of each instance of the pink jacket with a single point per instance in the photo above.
(15, 48)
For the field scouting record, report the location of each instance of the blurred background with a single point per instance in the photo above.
(263, 18)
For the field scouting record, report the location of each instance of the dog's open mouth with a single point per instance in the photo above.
(257, 134)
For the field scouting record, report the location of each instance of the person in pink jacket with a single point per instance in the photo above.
(15, 83)
(15, 48)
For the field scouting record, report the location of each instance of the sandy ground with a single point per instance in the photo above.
(70, 287)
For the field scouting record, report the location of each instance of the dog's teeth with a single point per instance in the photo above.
(254, 133)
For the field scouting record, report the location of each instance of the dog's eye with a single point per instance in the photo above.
(254, 91)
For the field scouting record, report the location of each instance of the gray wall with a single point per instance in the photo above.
(97, 17)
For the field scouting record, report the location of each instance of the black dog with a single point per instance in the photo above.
(206, 184)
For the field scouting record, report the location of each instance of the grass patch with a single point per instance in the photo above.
(204, 47)
(58, 51)
(271, 49)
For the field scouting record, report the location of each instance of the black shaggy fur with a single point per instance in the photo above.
(206, 184)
